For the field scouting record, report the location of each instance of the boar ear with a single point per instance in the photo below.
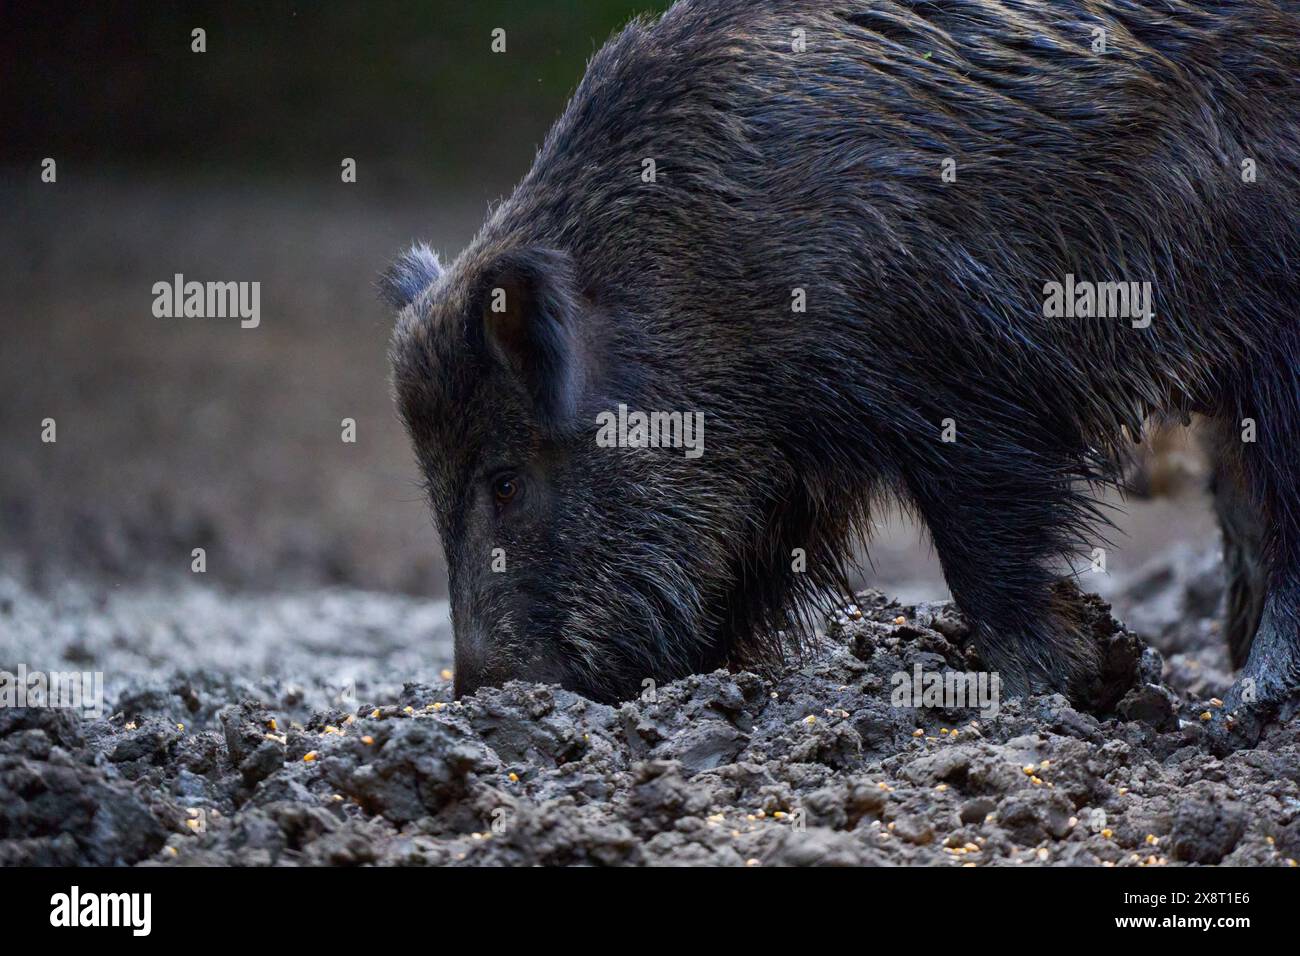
(530, 323)
(413, 272)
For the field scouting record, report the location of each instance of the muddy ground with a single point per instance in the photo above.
(319, 728)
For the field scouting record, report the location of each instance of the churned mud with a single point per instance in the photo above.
(319, 728)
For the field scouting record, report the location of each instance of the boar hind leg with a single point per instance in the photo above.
(1262, 445)
(1244, 535)
(997, 539)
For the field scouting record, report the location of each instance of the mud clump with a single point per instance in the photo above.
(816, 766)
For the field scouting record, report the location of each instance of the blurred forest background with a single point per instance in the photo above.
(410, 89)
(225, 166)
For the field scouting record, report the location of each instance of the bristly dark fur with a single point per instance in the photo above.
(820, 170)
(413, 272)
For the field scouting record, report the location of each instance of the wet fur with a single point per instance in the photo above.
(821, 170)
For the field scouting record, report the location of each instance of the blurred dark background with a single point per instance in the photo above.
(226, 166)
(412, 90)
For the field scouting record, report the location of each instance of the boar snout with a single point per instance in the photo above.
(481, 662)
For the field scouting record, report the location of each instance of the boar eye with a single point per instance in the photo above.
(505, 487)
